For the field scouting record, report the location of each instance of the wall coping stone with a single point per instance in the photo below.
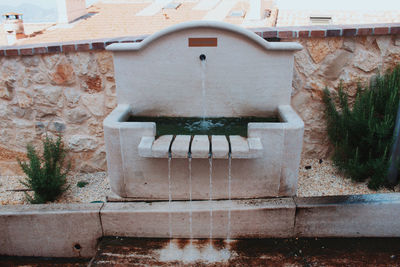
(373, 215)
(277, 33)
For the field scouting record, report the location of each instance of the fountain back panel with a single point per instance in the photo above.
(240, 76)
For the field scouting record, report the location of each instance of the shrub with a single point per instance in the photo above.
(46, 174)
(81, 184)
(363, 136)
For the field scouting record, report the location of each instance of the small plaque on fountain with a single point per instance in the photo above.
(203, 42)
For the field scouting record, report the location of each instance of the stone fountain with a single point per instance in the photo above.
(204, 185)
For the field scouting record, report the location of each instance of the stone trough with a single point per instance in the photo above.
(203, 69)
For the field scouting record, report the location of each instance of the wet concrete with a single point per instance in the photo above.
(6, 261)
(347, 199)
(255, 252)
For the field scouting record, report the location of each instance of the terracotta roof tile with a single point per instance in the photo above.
(117, 20)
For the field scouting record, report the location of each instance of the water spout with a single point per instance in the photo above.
(202, 57)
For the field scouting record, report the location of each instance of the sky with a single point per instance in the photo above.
(285, 4)
(33, 10)
(43, 3)
(42, 10)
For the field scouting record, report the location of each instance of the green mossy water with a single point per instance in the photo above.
(197, 126)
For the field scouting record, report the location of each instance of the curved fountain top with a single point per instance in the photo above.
(204, 65)
(205, 24)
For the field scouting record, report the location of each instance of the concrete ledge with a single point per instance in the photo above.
(56, 230)
(50, 230)
(261, 218)
(375, 215)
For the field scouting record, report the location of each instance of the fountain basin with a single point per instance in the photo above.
(138, 164)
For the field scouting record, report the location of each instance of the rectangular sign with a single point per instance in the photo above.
(203, 42)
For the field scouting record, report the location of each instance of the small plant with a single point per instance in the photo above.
(46, 175)
(363, 136)
(81, 184)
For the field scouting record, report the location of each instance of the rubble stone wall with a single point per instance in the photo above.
(327, 63)
(68, 93)
(71, 92)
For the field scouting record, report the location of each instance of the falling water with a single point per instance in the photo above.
(190, 199)
(203, 89)
(169, 198)
(204, 124)
(229, 197)
(211, 210)
(190, 252)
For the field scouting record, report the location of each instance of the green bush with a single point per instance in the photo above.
(46, 174)
(81, 184)
(363, 136)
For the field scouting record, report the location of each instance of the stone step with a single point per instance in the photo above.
(198, 146)
(179, 148)
(160, 147)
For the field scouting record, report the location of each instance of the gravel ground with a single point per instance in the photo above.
(96, 190)
(321, 178)
(315, 179)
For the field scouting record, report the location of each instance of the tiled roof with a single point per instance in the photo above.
(302, 17)
(121, 19)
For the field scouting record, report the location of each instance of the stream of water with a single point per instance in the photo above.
(190, 199)
(190, 253)
(169, 198)
(206, 125)
(228, 235)
(211, 209)
(203, 89)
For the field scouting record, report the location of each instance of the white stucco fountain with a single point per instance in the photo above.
(204, 185)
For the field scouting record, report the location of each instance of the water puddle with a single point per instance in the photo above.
(194, 252)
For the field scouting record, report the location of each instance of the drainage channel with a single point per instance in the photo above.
(254, 252)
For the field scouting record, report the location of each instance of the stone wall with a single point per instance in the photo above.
(71, 88)
(70, 93)
(327, 62)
